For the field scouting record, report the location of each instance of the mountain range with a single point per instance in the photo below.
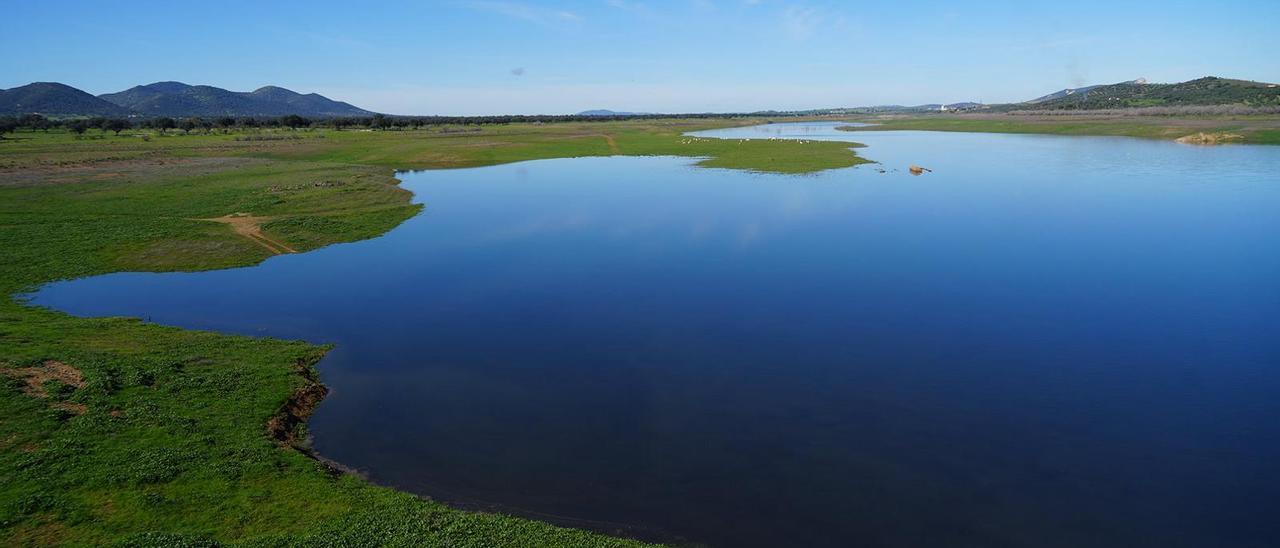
(174, 99)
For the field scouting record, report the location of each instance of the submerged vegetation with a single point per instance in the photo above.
(118, 431)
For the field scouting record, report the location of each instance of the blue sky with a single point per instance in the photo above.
(515, 56)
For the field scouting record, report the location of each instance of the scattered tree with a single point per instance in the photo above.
(116, 125)
(293, 121)
(78, 126)
(7, 125)
(164, 123)
(34, 122)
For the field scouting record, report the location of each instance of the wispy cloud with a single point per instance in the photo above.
(800, 22)
(526, 12)
(803, 22)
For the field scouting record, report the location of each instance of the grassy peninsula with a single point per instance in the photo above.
(115, 431)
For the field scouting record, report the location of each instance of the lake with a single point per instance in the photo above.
(1046, 341)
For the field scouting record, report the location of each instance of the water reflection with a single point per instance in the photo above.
(1046, 341)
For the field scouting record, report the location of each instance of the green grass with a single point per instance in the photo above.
(172, 448)
(1254, 129)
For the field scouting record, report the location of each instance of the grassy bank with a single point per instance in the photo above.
(1250, 129)
(116, 431)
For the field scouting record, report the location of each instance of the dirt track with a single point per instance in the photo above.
(251, 227)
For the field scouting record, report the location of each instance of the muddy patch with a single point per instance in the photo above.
(36, 381)
(285, 425)
(1203, 138)
(34, 378)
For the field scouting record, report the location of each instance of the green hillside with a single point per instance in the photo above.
(1210, 90)
(54, 99)
(177, 99)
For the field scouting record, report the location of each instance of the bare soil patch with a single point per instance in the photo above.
(251, 227)
(1203, 138)
(613, 145)
(36, 377)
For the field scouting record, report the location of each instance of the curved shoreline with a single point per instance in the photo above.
(178, 242)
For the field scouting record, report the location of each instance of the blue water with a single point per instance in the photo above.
(1047, 341)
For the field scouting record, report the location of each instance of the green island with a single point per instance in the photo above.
(116, 431)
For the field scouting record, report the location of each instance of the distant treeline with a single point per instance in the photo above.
(164, 124)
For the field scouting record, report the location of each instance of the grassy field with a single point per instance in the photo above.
(116, 431)
(1251, 129)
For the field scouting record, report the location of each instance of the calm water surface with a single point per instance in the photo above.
(1048, 341)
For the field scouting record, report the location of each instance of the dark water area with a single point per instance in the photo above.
(1047, 341)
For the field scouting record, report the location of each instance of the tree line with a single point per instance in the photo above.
(165, 124)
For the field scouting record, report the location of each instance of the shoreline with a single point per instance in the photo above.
(1262, 129)
(247, 397)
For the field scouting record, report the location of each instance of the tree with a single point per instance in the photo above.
(34, 122)
(380, 121)
(7, 125)
(293, 121)
(78, 126)
(117, 125)
(164, 123)
(225, 123)
(189, 124)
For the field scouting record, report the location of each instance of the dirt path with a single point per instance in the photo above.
(613, 145)
(251, 227)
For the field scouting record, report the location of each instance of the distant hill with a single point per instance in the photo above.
(178, 99)
(54, 99)
(606, 112)
(1210, 90)
(1072, 91)
(878, 109)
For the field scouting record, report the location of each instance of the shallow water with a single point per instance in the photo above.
(1048, 341)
